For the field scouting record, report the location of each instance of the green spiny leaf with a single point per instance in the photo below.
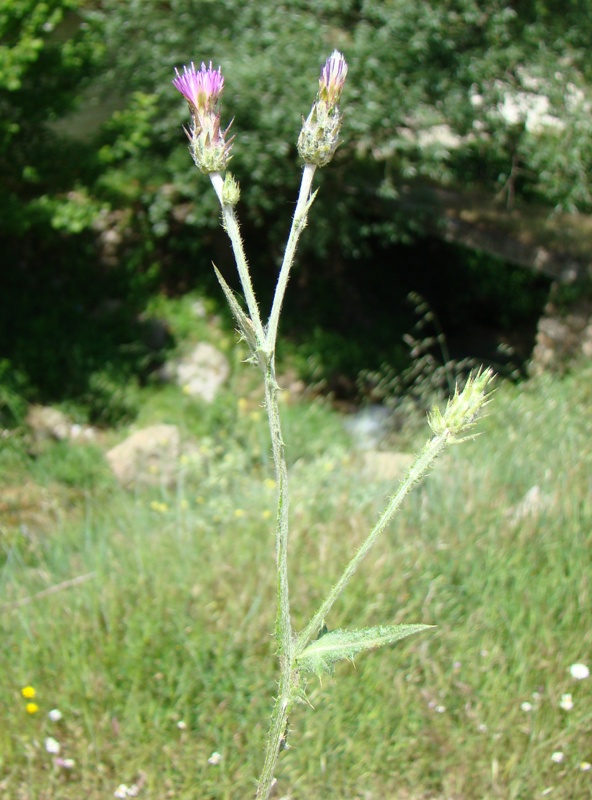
(323, 653)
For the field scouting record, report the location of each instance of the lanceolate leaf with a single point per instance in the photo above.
(244, 323)
(322, 654)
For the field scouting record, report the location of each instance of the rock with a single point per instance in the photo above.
(202, 372)
(564, 334)
(47, 423)
(148, 457)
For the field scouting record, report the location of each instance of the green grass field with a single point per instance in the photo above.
(162, 655)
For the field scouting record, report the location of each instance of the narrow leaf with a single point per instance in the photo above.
(244, 323)
(323, 653)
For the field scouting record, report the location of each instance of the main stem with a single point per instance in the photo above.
(287, 685)
(266, 343)
(283, 627)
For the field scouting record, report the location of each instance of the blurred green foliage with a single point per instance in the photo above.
(92, 149)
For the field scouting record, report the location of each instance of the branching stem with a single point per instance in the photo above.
(230, 223)
(430, 452)
(305, 200)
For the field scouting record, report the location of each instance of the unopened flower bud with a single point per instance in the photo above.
(461, 410)
(230, 191)
(319, 136)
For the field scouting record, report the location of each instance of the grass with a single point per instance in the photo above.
(164, 656)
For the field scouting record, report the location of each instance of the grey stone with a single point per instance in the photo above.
(202, 372)
(147, 457)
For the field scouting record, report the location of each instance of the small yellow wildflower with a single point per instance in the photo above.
(269, 483)
(266, 514)
(255, 416)
(239, 512)
(242, 404)
(32, 708)
(184, 504)
(28, 692)
(199, 499)
(161, 508)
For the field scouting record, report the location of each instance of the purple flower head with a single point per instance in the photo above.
(332, 78)
(200, 88)
(319, 136)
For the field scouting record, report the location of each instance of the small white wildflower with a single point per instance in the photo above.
(536, 696)
(215, 759)
(566, 702)
(526, 706)
(585, 766)
(121, 792)
(52, 745)
(182, 725)
(579, 671)
(133, 790)
(557, 756)
(55, 715)
(482, 727)
(440, 709)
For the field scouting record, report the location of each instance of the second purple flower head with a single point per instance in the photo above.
(319, 136)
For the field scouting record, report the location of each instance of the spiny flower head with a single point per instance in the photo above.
(463, 407)
(319, 136)
(202, 88)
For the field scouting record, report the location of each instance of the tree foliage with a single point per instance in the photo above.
(449, 92)
(452, 92)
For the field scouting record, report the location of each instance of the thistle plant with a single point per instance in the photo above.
(314, 649)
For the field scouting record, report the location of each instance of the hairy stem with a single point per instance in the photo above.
(283, 626)
(430, 452)
(230, 223)
(298, 224)
(277, 734)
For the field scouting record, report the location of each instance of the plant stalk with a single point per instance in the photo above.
(231, 227)
(430, 452)
(283, 627)
(277, 734)
(299, 220)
